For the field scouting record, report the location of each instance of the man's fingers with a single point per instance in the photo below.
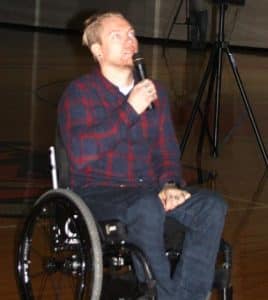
(175, 198)
(172, 197)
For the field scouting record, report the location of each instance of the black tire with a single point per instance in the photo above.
(59, 254)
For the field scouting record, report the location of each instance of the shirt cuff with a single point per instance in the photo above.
(128, 115)
(171, 183)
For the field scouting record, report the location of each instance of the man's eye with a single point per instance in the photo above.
(116, 36)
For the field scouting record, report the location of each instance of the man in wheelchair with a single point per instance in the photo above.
(125, 164)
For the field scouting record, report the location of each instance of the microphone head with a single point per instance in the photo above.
(137, 58)
(138, 61)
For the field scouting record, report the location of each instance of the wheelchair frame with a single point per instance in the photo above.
(82, 249)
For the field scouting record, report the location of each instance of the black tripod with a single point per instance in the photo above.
(214, 71)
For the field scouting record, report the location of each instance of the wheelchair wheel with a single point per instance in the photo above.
(59, 254)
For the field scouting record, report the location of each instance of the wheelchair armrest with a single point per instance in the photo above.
(112, 231)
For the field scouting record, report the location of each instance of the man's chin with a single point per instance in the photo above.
(128, 63)
(128, 59)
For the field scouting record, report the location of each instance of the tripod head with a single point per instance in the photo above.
(236, 2)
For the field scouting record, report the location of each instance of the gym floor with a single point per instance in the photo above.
(34, 69)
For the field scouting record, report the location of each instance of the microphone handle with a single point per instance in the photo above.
(141, 70)
(142, 75)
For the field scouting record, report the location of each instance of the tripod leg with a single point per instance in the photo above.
(247, 106)
(205, 125)
(217, 104)
(198, 100)
(204, 116)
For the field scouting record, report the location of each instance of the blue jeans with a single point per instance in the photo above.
(140, 209)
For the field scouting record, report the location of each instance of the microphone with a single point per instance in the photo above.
(138, 61)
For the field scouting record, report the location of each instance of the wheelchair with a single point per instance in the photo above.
(63, 253)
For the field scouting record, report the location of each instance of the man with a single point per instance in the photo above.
(124, 161)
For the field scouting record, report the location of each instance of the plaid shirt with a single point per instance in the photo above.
(109, 144)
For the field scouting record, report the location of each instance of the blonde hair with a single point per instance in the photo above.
(92, 27)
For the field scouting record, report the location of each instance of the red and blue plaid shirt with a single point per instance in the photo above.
(109, 144)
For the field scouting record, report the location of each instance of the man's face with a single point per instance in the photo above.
(118, 42)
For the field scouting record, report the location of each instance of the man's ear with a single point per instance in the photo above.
(96, 50)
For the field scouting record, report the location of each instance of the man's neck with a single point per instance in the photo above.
(119, 77)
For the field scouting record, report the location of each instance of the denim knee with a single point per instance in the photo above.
(220, 205)
(215, 204)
